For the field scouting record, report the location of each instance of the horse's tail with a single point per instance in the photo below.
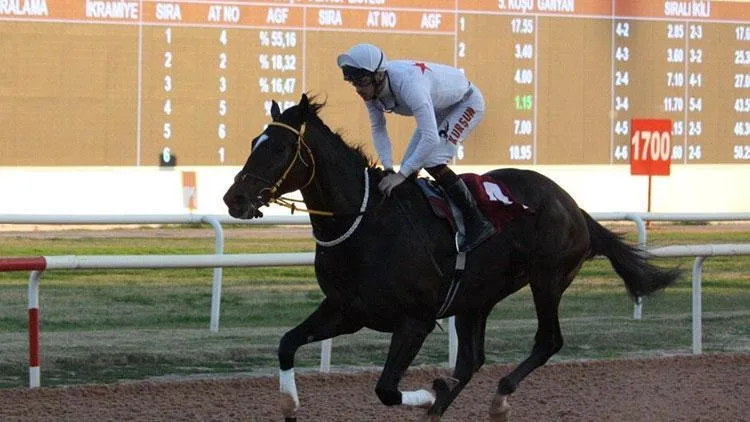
(630, 262)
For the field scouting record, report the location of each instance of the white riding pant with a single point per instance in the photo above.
(454, 125)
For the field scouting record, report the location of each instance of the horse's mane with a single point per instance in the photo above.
(313, 117)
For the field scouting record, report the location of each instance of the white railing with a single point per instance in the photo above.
(216, 221)
(701, 252)
(37, 265)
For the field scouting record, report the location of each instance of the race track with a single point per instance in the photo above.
(685, 388)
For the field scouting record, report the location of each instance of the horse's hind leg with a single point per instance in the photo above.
(325, 322)
(547, 291)
(406, 341)
(547, 342)
(448, 389)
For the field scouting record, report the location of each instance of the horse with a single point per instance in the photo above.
(388, 264)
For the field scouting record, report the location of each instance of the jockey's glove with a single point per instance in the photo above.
(389, 182)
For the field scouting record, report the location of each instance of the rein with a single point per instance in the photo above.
(291, 203)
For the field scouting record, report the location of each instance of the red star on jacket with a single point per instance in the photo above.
(421, 66)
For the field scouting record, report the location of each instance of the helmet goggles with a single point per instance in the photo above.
(358, 77)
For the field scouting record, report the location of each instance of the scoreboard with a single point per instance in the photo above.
(144, 83)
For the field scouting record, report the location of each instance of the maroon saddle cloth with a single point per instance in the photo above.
(493, 198)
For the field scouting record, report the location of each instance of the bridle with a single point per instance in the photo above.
(289, 203)
(298, 155)
(274, 187)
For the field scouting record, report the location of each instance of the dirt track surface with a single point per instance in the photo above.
(686, 388)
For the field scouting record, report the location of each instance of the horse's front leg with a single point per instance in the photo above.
(406, 341)
(326, 322)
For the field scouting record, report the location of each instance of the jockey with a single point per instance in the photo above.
(446, 106)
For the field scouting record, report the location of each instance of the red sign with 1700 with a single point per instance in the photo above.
(650, 147)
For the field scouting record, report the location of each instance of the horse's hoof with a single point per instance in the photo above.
(444, 385)
(500, 409)
(429, 418)
(288, 408)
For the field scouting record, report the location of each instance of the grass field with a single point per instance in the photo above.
(110, 326)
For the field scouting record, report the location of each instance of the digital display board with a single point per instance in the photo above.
(144, 83)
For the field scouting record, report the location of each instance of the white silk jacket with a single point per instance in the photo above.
(420, 89)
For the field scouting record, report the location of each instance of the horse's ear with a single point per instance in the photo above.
(275, 110)
(304, 105)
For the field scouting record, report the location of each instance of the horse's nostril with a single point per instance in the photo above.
(240, 201)
(234, 199)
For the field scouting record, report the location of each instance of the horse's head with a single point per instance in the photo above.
(280, 162)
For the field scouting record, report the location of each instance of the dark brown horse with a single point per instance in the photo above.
(388, 264)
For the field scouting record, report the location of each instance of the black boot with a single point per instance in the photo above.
(478, 227)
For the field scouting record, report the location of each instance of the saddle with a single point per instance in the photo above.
(495, 201)
(493, 198)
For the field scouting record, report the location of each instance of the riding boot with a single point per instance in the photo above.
(478, 227)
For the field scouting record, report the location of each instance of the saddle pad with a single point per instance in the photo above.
(493, 198)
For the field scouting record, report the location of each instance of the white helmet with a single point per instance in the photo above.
(363, 56)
